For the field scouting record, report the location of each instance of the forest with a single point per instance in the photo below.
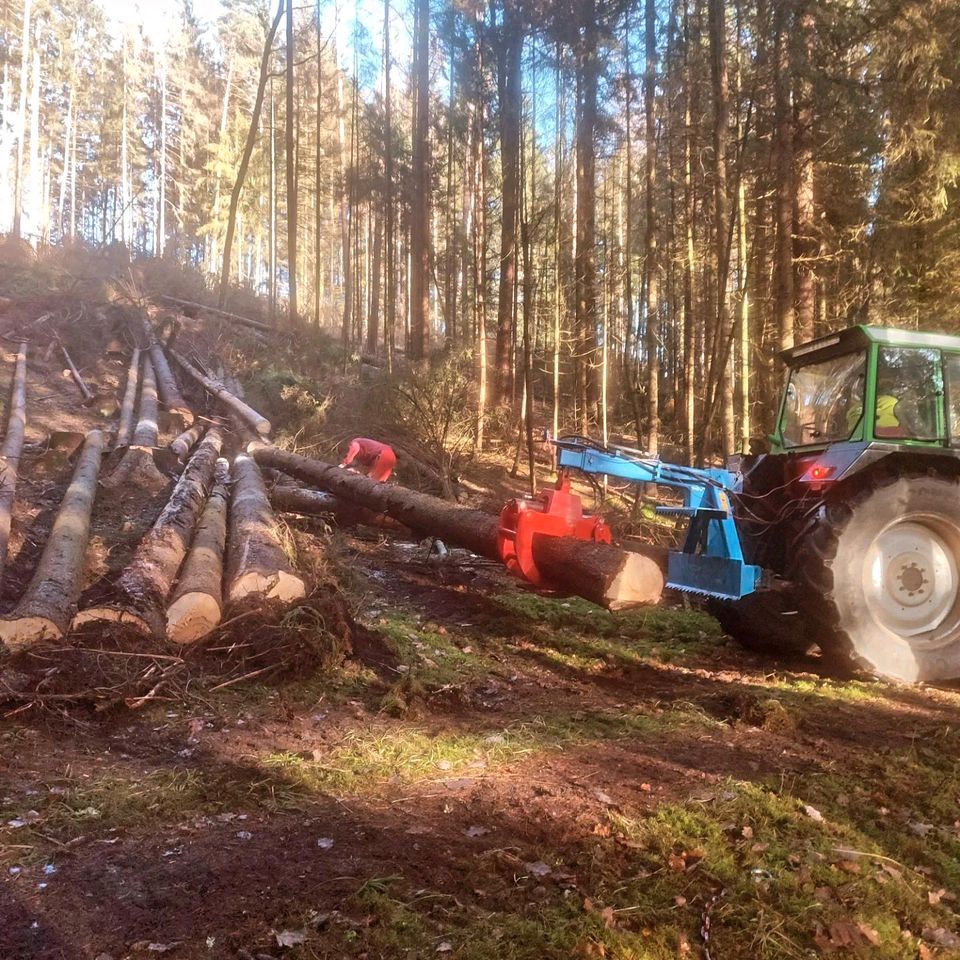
(622, 210)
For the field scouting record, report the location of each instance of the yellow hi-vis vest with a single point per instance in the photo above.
(886, 417)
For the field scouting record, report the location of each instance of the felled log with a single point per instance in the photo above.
(185, 442)
(145, 584)
(233, 317)
(167, 388)
(127, 407)
(234, 404)
(137, 466)
(197, 602)
(46, 607)
(604, 574)
(10, 452)
(88, 394)
(147, 431)
(257, 565)
(316, 503)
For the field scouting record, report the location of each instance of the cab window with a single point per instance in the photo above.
(909, 394)
(951, 373)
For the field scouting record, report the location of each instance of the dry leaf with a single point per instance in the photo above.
(813, 813)
(849, 866)
(676, 862)
(683, 946)
(747, 833)
(869, 933)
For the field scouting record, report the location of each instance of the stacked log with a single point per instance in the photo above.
(167, 388)
(46, 607)
(604, 574)
(257, 565)
(184, 442)
(256, 421)
(125, 424)
(11, 450)
(145, 584)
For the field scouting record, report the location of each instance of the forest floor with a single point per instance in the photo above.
(466, 769)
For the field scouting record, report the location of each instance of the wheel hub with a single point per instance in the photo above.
(910, 577)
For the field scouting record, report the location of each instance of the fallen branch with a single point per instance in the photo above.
(236, 318)
(147, 580)
(88, 394)
(11, 450)
(46, 607)
(256, 421)
(257, 565)
(601, 573)
(197, 603)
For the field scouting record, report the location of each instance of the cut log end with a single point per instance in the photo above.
(109, 614)
(23, 632)
(192, 616)
(639, 583)
(277, 585)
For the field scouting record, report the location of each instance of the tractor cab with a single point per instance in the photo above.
(871, 385)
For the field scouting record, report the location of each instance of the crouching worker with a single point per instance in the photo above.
(371, 457)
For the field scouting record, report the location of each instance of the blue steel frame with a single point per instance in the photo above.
(711, 561)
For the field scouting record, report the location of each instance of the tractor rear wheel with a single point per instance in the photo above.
(767, 621)
(879, 577)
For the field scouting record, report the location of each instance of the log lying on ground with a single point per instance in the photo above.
(234, 317)
(146, 582)
(125, 424)
(137, 466)
(185, 442)
(257, 565)
(197, 603)
(234, 404)
(167, 388)
(316, 503)
(604, 574)
(45, 609)
(147, 431)
(88, 394)
(10, 452)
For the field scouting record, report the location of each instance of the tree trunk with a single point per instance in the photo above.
(420, 199)
(146, 581)
(257, 566)
(197, 602)
(289, 122)
(46, 607)
(21, 118)
(783, 151)
(247, 153)
(125, 424)
(247, 414)
(652, 263)
(604, 574)
(10, 452)
(510, 89)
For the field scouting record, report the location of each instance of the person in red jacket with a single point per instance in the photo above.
(375, 459)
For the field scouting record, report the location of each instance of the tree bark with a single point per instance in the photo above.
(652, 262)
(10, 452)
(197, 602)
(125, 424)
(604, 574)
(420, 200)
(46, 607)
(257, 566)
(247, 153)
(510, 90)
(783, 152)
(290, 121)
(147, 432)
(147, 580)
(182, 444)
(167, 389)
(288, 499)
(247, 414)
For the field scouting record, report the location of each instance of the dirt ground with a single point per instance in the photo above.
(460, 767)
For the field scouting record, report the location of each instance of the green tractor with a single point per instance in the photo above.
(854, 515)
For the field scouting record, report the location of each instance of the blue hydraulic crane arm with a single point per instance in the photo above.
(711, 561)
